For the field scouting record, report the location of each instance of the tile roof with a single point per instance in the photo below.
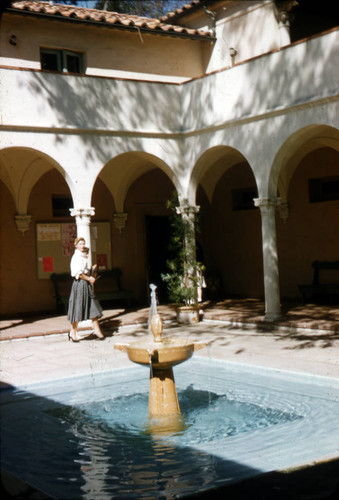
(184, 9)
(105, 18)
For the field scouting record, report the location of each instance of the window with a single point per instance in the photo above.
(66, 61)
(243, 199)
(61, 205)
(323, 189)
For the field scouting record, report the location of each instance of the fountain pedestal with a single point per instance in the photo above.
(163, 398)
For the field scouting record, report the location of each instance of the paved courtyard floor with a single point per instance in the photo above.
(38, 358)
(306, 340)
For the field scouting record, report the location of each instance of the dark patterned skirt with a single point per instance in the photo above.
(82, 303)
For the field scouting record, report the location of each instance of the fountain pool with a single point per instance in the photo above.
(89, 437)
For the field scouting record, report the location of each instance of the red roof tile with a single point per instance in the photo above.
(106, 18)
(184, 9)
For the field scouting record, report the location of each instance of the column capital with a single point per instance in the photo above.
(82, 212)
(283, 10)
(267, 205)
(188, 210)
(23, 222)
(119, 220)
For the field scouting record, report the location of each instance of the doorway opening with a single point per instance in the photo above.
(158, 235)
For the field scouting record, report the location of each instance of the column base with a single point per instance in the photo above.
(270, 317)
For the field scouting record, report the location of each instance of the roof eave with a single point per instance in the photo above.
(100, 24)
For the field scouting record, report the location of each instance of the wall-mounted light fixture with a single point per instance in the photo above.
(232, 52)
(13, 40)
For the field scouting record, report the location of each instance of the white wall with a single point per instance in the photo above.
(250, 31)
(253, 107)
(298, 74)
(295, 75)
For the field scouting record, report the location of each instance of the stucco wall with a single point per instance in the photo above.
(299, 74)
(64, 101)
(271, 83)
(107, 52)
(251, 32)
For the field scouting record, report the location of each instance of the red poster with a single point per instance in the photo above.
(47, 264)
(102, 261)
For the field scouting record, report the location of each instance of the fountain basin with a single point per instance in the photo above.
(161, 355)
(84, 437)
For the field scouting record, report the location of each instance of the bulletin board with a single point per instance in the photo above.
(54, 244)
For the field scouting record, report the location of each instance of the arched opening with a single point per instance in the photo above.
(229, 242)
(27, 265)
(136, 185)
(232, 235)
(145, 246)
(309, 231)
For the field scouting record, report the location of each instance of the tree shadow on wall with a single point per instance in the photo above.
(109, 116)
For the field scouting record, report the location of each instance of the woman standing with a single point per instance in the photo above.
(82, 303)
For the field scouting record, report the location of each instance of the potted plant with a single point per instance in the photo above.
(185, 273)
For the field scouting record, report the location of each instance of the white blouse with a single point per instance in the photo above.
(79, 264)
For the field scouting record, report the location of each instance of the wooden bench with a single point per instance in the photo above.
(107, 288)
(317, 289)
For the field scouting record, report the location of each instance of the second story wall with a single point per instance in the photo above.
(109, 52)
(295, 75)
(272, 83)
(37, 99)
(249, 28)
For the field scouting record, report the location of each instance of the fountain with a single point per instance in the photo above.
(161, 354)
(90, 437)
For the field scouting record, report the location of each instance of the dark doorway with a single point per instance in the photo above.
(158, 233)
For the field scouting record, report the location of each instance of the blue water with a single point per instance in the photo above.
(88, 437)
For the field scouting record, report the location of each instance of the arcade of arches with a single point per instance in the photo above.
(231, 238)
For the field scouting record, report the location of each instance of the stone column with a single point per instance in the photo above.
(188, 213)
(83, 222)
(267, 208)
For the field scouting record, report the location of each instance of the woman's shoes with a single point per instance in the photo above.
(98, 333)
(70, 337)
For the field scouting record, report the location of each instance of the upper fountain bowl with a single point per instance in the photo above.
(161, 355)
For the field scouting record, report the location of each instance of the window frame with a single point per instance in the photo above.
(62, 60)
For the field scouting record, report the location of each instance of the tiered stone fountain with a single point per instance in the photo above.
(161, 355)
